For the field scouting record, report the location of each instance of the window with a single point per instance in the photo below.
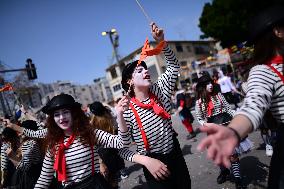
(202, 49)
(113, 73)
(83, 89)
(116, 87)
(179, 48)
(188, 48)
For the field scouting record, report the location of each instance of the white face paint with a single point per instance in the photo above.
(141, 77)
(209, 87)
(63, 119)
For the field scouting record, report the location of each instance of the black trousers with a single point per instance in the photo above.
(179, 177)
(276, 169)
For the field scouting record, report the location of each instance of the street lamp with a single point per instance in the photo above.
(114, 41)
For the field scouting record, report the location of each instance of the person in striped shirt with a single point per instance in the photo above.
(265, 91)
(72, 144)
(149, 121)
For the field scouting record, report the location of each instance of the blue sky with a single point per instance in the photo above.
(63, 37)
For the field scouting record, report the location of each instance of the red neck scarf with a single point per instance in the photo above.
(60, 161)
(160, 111)
(276, 60)
(210, 108)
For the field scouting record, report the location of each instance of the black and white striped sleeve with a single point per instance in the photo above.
(164, 86)
(4, 157)
(47, 172)
(30, 154)
(108, 140)
(226, 106)
(126, 154)
(260, 87)
(35, 134)
(199, 114)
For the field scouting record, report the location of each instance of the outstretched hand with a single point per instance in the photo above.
(157, 33)
(220, 143)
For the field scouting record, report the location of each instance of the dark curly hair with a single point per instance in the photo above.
(81, 127)
(127, 75)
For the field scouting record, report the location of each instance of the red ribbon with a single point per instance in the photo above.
(146, 51)
(60, 161)
(160, 111)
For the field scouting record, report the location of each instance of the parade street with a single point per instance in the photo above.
(254, 165)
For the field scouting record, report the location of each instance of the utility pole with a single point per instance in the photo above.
(114, 42)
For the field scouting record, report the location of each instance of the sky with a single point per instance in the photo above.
(63, 37)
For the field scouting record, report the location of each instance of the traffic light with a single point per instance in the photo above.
(31, 69)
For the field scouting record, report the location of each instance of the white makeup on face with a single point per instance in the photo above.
(209, 87)
(63, 119)
(141, 77)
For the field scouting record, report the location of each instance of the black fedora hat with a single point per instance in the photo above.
(30, 124)
(59, 102)
(203, 80)
(265, 21)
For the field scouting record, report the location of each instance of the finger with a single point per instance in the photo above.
(211, 152)
(203, 144)
(226, 162)
(161, 176)
(218, 159)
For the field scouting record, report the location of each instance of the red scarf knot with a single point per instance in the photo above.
(60, 160)
(159, 110)
(276, 60)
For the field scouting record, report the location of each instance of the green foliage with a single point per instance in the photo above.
(227, 20)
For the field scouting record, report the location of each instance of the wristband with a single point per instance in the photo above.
(236, 133)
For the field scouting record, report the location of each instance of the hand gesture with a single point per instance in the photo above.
(157, 33)
(9, 152)
(220, 143)
(122, 105)
(103, 169)
(157, 168)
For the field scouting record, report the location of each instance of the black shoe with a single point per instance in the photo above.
(239, 184)
(223, 176)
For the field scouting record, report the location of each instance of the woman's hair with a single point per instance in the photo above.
(80, 127)
(267, 46)
(204, 95)
(11, 136)
(104, 122)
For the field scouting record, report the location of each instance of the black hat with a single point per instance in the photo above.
(128, 71)
(203, 80)
(265, 21)
(97, 108)
(59, 102)
(30, 124)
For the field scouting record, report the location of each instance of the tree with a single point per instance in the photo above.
(227, 20)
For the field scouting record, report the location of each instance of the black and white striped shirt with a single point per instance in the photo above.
(159, 131)
(79, 158)
(31, 154)
(4, 157)
(201, 110)
(265, 90)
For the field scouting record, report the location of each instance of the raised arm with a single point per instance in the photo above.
(164, 86)
(121, 140)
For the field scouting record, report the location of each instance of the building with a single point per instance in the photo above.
(187, 52)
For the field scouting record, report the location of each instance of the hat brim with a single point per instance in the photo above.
(49, 110)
